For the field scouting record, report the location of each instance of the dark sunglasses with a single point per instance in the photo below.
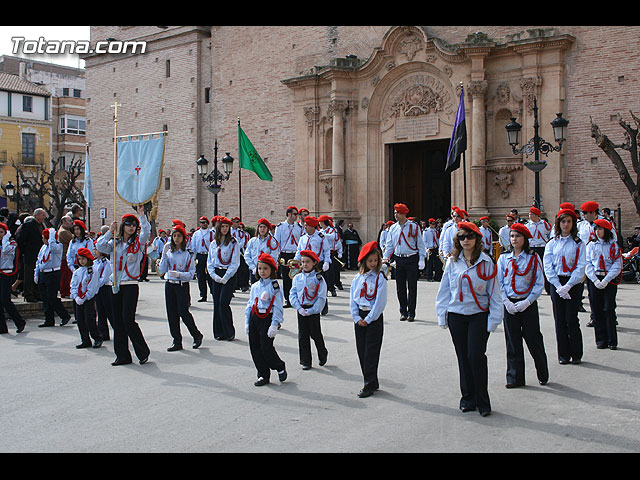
(468, 236)
(130, 224)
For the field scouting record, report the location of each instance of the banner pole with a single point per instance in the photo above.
(239, 175)
(115, 287)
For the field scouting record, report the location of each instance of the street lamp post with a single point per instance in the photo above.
(10, 191)
(537, 144)
(215, 177)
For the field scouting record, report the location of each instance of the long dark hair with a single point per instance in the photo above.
(457, 246)
(218, 237)
(174, 247)
(133, 235)
(574, 226)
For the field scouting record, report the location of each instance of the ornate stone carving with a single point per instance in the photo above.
(503, 94)
(503, 180)
(311, 115)
(336, 106)
(409, 46)
(431, 58)
(478, 88)
(529, 87)
(365, 103)
(418, 95)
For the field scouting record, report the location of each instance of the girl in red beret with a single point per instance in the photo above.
(263, 315)
(521, 283)
(603, 269)
(8, 268)
(367, 303)
(564, 266)
(84, 286)
(469, 303)
(127, 250)
(308, 295)
(80, 240)
(263, 242)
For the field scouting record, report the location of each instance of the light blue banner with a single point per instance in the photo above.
(87, 191)
(139, 171)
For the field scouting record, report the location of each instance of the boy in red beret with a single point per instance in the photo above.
(84, 287)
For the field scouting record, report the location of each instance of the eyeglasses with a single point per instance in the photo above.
(130, 224)
(202, 221)
(466, 236)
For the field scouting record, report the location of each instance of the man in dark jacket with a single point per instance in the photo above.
(29, 238)
(352, 244)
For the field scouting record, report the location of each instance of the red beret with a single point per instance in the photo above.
(401, 208)
(175, 221)
(470, 226)
(567, 211)
(511, 216)
(225, 220)
(268, 259)
(601, 222)
(4, 226)
(303, 210)
(323, 218)
(390, 222)
(215, 218)
(291, 207)
(432, 220)
(567, 205)
(520, 228)
(85, 252)
(264, 221)
(484, 218)
(310, 254)
(235, 218)
(311, 221)
(45, 234)
(81, 224)
(367, 249)
(204, 219)
(461, 213)
(128, 216)
(589, 206)
(535, 211)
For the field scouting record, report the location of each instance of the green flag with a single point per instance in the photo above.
(249, 158)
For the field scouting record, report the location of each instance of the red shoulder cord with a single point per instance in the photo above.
(319, 250)
(271, 237)
(364, 293)
(310, 298)
(613, 256)
(81, 294)
(133, 248)
(575, 262)
(533, 262)
(482, 277)
(17, 255)
(411, 234)
(186, 268)
(220, 255)
(255, 311)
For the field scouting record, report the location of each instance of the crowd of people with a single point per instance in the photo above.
(297, 263)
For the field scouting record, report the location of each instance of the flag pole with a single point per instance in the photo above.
(239, 177)
(115, 287)
(464, 175)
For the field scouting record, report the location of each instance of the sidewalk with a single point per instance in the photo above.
(59, 399)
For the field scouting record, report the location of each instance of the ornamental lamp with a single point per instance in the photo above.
(559, 125)
(203, 165)
(513, 132)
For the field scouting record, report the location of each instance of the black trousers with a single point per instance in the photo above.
(434, 266)
(309, 328)
(177, 300)
(284, 273)
(124, 324)
(86, 318)
(524, 326)
(603, 308)
(565, 314)
(204, 279)
(243, 274)
(329, 277)
(104, 310)
(263, 353)
(368, 345)
(49, 283)
(469, 334)
(407, 283)
(31, 291)
(352, 250)
(223, 328)
(6, 304)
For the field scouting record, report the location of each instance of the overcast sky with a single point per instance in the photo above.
(33, 33)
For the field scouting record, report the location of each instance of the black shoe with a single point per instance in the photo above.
(45, 324)
(306, 367)
(65, 321)
(174, 348)
(323, 361)
(403, 318)
(333, 293)
(601, 346)
(21, 328)
(202, 299)
(97, 344)
(144, 360)
(543, 382)
(282, 376)
(261, 381)
(576, 361)
(84, 345)
(563, 361)
(365, 392)
(613, 347)
(467, 409)
(486, 413)
(410, 319)
(197, 342)
(514, 385)
(121, 362)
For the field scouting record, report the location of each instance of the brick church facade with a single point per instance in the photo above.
(352, 119)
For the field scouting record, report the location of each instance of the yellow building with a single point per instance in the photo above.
(25, 134)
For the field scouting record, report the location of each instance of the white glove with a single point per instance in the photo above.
(271, 333)
(172, 274)
(217, 278)
(325, 266)
(522, 305)
(246, 328)
(563, 292)
(601, 284)
(302, 311)
(421, 265)
(510, 306)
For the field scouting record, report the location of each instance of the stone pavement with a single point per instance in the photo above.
(56, 398)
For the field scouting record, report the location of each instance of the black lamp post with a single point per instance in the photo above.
(215, 177)
(537, 144)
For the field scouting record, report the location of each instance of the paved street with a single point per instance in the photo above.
(56, 398)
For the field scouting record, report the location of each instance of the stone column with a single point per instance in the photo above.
(477, 90)
(337, 108)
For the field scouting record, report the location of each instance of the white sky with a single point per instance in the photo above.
(32, 33)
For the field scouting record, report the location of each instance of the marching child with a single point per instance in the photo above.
(46, 275)
(84, 287)
(263, 316)
(308, 296)
(368, 299)
(8, 268)
(104, 310)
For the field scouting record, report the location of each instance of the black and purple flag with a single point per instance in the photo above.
(458, 143)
